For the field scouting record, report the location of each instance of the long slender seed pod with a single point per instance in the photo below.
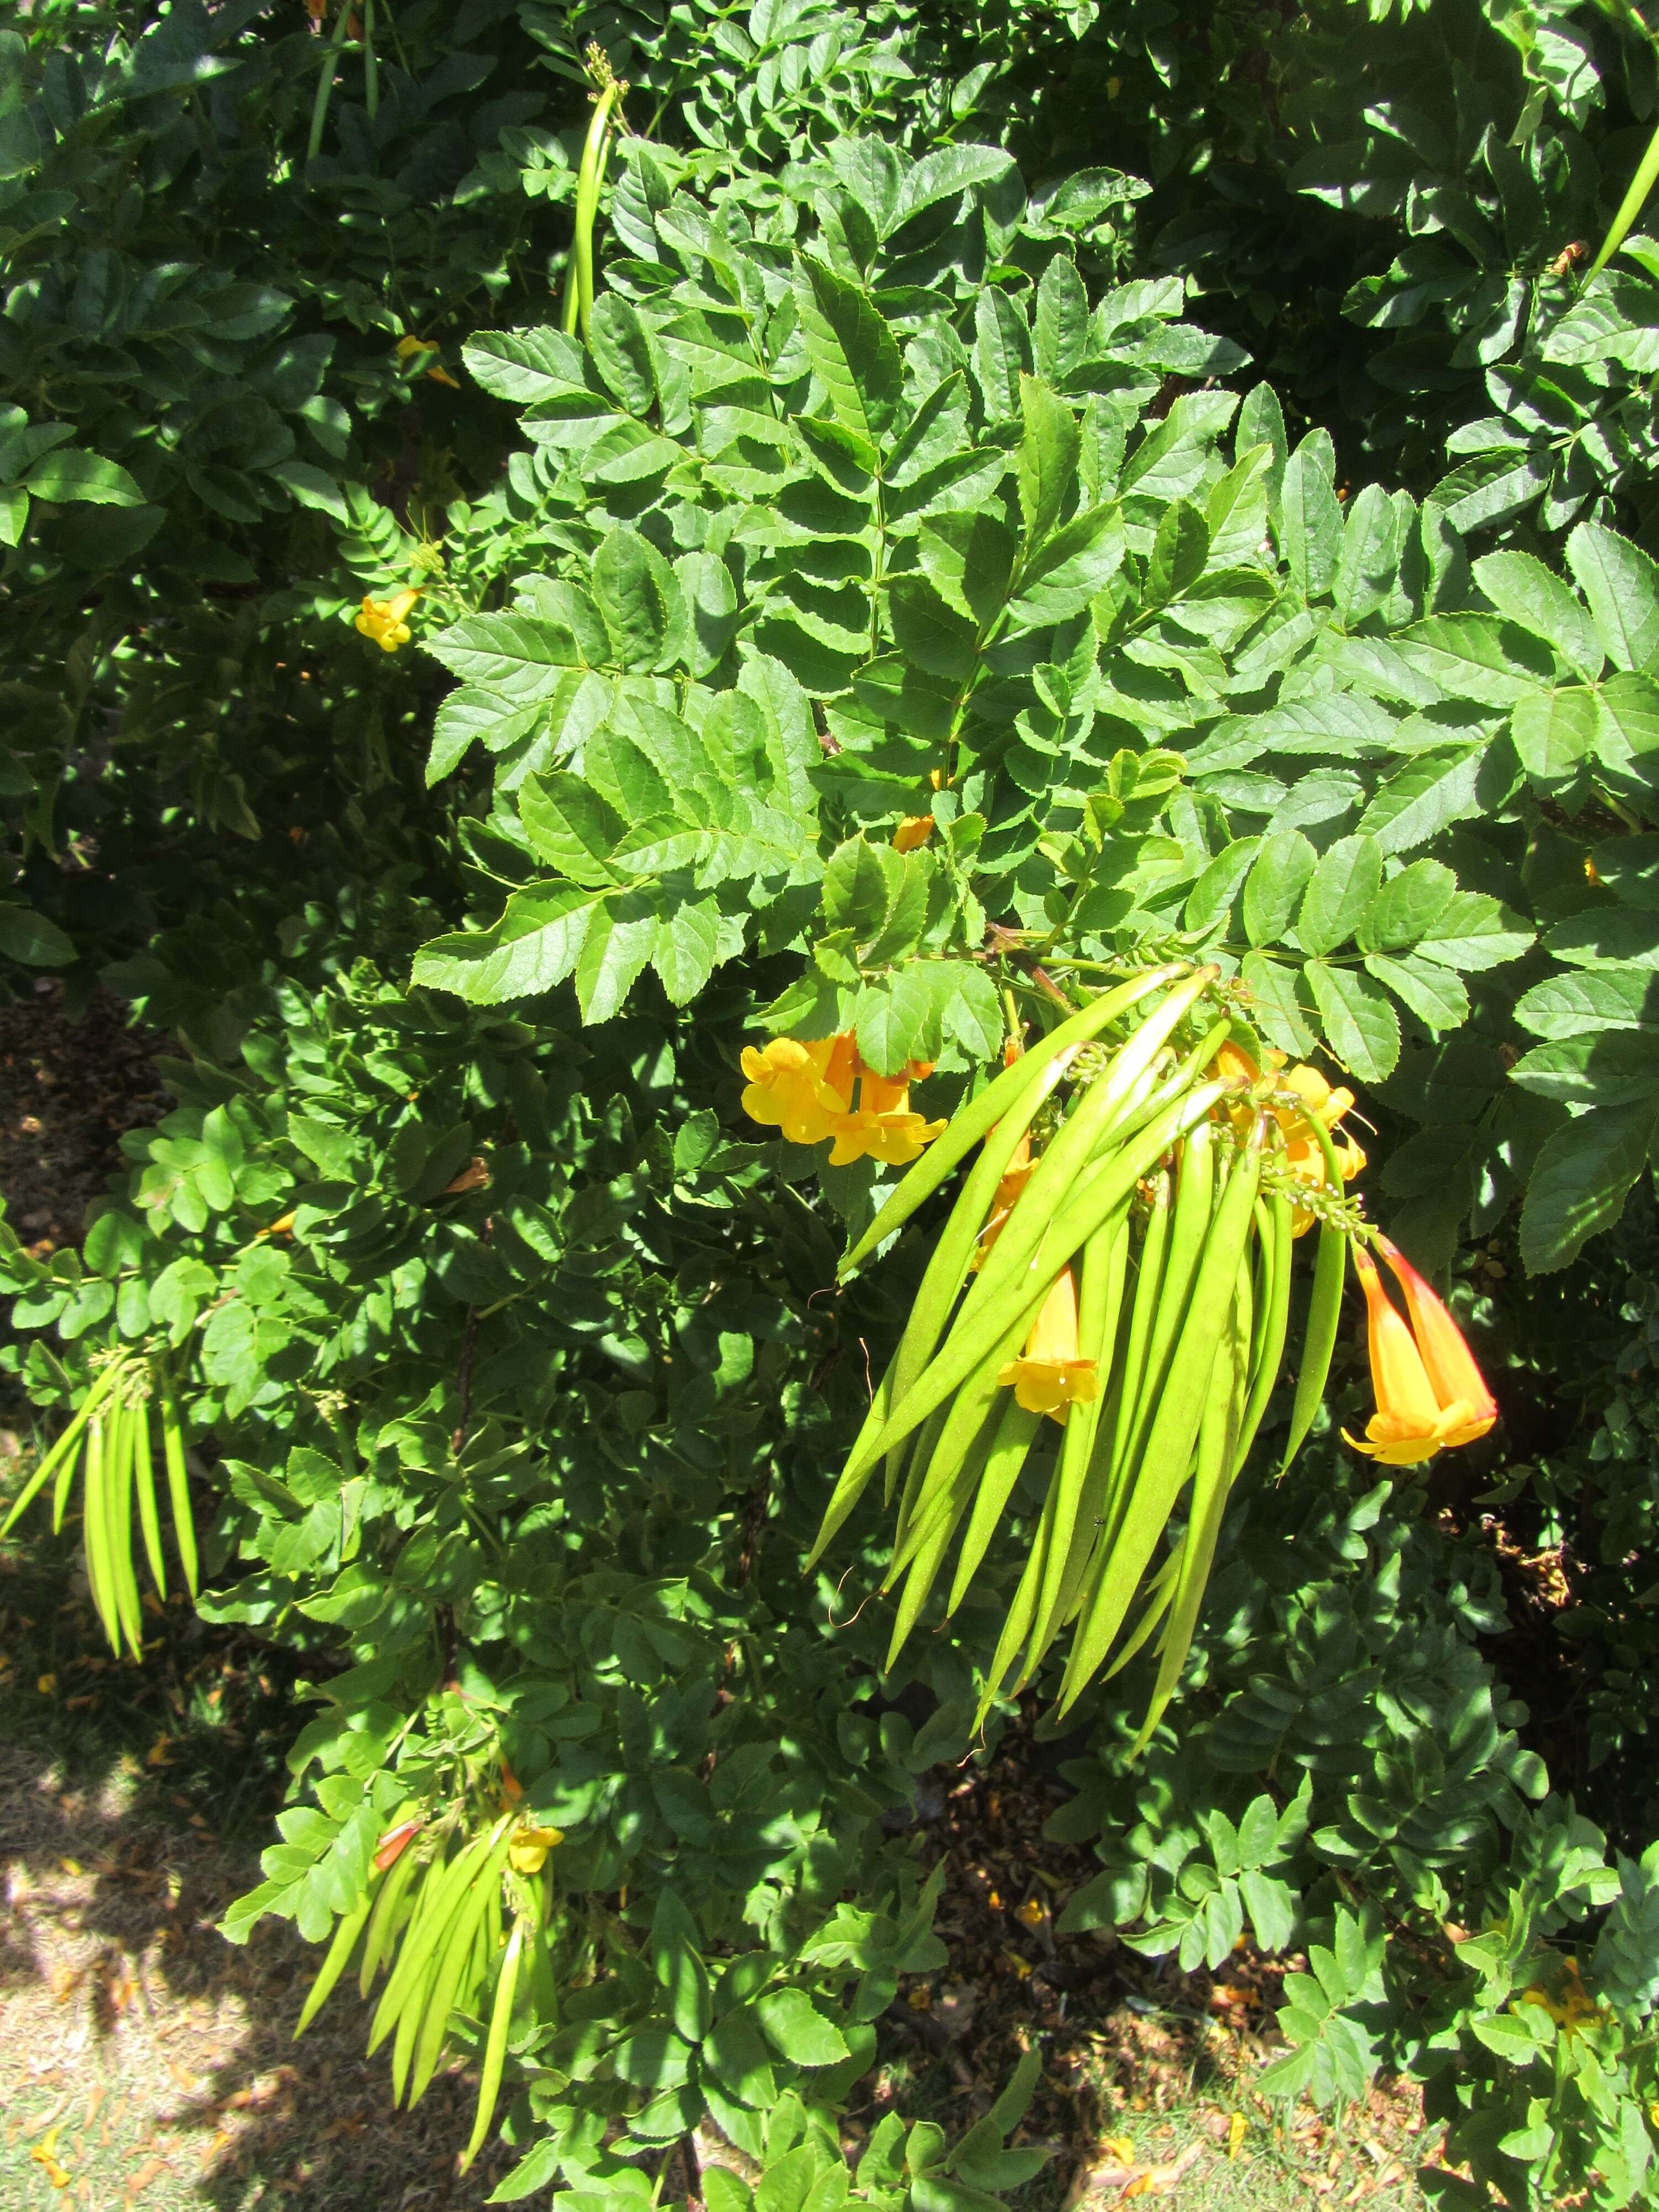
(969, 1122)
(921, 1449)
(959, 1430)
(383, 1922)
(880, 1405)
(1021, 1612)
(1100, 1305)
(325, 82)
(447, 1983)
(931, 1551)
(1159, 1591)
(65, 1482)
(945, 1274)
(1015, 1436)
(1261, 1285)
(1324, 1318)
(430, 1918)
(173, 1445)
(1159, 1090)
(118, 1488)
(439, 1893)
(1217, 1447)
(968, 1345)
(60, 1459)
(950, 1500)
(1111, 1454)
(1189, 1229)
(590, 176)
(952, 1257)
(1167, 1458)
(492, 1927)
(1118, 1095)
(495, 2057)
(935, 1296)
(334, 1964)
(144, 1471)
(473, 1971)
(1052, 1177)
(95, 1533)
(1273, 1316)
(409, 2025)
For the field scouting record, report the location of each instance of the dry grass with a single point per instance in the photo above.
(154, 2062)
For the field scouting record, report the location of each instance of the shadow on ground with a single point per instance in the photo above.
(144, 2060)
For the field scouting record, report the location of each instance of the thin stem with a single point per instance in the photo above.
(1629, 208)
(371, 69)
(325, 82)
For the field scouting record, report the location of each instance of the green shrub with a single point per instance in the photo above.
(1030, 494)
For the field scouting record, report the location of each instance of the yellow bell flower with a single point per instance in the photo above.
(806, 1087)
(383, 620)
(884, 1127)
(1430, 1394)
(531, 1847)
(1015, 1176)
(915, 829)
(1302, 1153)
(803, 1088)
(1049, 1377)
(408, 348)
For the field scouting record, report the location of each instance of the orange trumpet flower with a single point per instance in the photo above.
(1430, 1394)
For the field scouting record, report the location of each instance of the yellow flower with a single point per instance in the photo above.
(804, 1089)
(1430, 1394)
(531, 1847)
(884, 1127)
(1303, 1154)
(915, 829)
(1049, 1377)
(1569, 2004)
(408, 348)
(45, 2154)
(1015, 1176)
(383, 619)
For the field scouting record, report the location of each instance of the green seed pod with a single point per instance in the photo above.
(334, 1964)
(1189, 1229)
(1212, 1480)
(173, 1446)
(1015, 1437)
(1110, 1472)
(969, 1123)
(1167, 1458)
(1274, 1244)
(969, 1344)
(1324, 1318)
(383, 1926)
(1100, 1307)
(143, 1468)
(494, 2058)
(435, 1908)
(62, 1458)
